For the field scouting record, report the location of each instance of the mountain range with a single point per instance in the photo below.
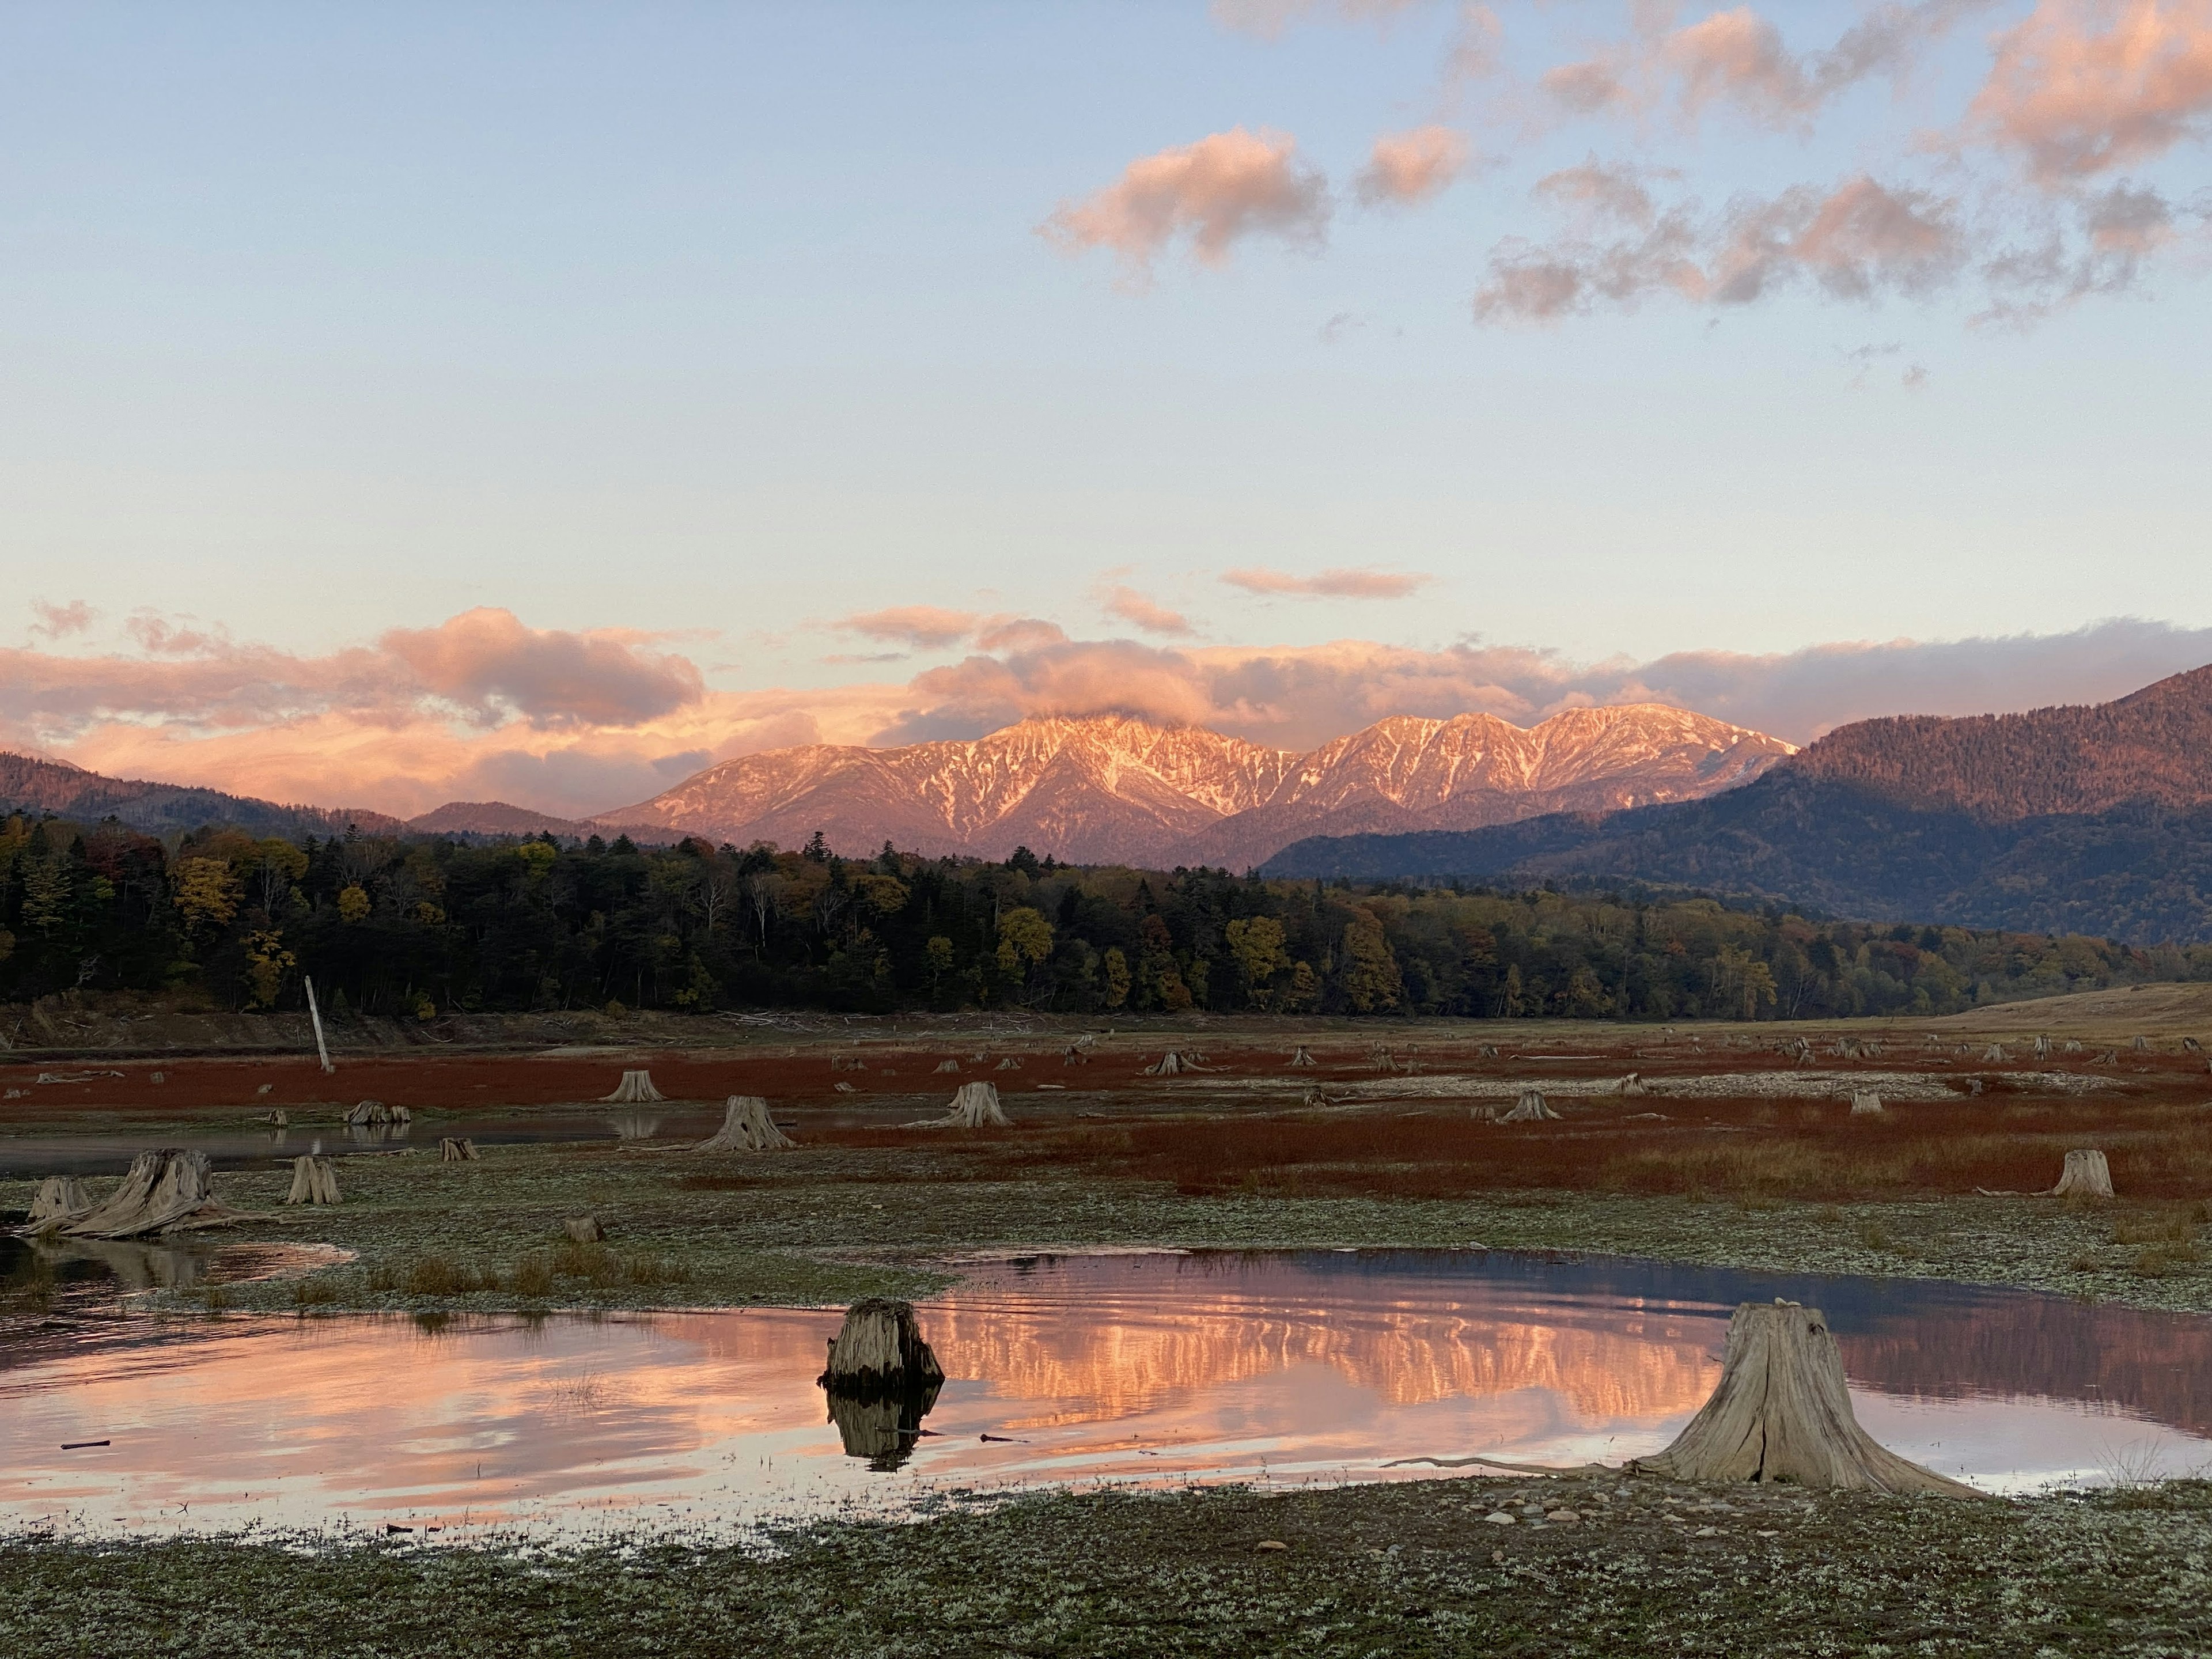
(30, 782)
(2079, 819)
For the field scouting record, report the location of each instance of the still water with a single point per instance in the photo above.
(1156, 1367)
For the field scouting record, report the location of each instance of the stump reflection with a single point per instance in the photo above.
(882, 1428)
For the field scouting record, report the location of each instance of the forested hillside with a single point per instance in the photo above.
(425, 926)
(28, 784)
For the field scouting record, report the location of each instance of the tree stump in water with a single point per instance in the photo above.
(585, 1230)
(1531, 1108)
(1781, 1411)
(165, 1190)
(878, 1351)
(976, 1106)
(883, 1429)
(314, 1180)
(451, 1151)
(1301, 1057)
(60, 1199)
(2086, 1175)
(1866, 1103)
(634, 1090)
(746, 1127)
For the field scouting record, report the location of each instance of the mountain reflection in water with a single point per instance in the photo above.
(1156, 1367)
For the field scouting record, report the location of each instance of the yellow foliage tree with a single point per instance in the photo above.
(353, 903)
(267, 961)
(205, 892)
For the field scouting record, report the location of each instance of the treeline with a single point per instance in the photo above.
(424, 926)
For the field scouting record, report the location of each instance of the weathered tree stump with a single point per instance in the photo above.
(1996, 1051)
(1865, 1103)
(2042, 1047)
(1174, 1062)
(2142, 1045)
(2073, 1046)
(1073, 1056)
(634, 1090)
(1630, 1084)
(1301, 1056)
(975, 1106)
(746, 1127)
(454, 1151)
(1531, 1108)
(585, 1229)
(948, 1065)
(878, 1351)
(1781, 1411)
(59, 1199)
(2086, 1175)
(1008, 1064)
(314, 1180)
(166, 1190)
(2190, 1045)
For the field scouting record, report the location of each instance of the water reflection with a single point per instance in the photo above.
(1312, 1365)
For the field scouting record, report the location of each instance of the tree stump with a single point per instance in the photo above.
(2042, 1047)
(314, 1180)
(1531, 1108)
(2072, 1047)
(878, 1350)
(1009, 1064)
(1073, 1056)
(1781, 1411)
(2190, 1045)
(948, 1065)
(883, 1429)
(2086, 1175)
(1173, 1063)
(60, 1199)
(1996, 1051)
(1865, 1103)
(2142, 1045)
(976, 1106)
(634, 1090)
(585, 1229)
(1630, 1084)
(452, 1150)
(746, 1127)
(1301, 1057)
(166, 1190)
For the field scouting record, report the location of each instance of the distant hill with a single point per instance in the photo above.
(2089, 820)
(1115, 789)
(493, 817)
(31, 785)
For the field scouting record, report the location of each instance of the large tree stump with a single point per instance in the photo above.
(878, 1351)
(1781, 1411)
(584, 1229)
(1630, 1084)
(746, 1127)
(60, 1199)
(1996, 1051)
(454, 1151)
(634, 1090)
(976, 1106)
(1865, 1103)
(2086, 1175)
(165, 1191)
(314, 1180)
(1531, 1108)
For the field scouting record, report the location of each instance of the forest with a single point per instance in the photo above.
(420, 926)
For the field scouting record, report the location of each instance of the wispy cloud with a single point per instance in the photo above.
(1118, 599)
(1405, 167)
(59, 622)
(922, 627)
(1222, 190)
(1337, 584)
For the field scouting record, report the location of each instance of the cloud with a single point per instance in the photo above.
(923, 626)
(1858, 241)
(1273, 18)
(487, 664)
(1404, 168)
(57, 621)
(1216, 192)
(1336, 584)
(1019, 634)
(1138, 611)
(2081, 86)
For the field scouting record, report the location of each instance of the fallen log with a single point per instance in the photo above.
(746, 1127)
(975, 1106)
(635, 1089)
(166, 1190)
(1781, 1412)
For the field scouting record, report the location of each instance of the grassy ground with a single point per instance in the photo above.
(1421, 1569)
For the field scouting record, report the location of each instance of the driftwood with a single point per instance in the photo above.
(948, 1065)
(975, 1106)
(1781, 1411)
(1865, 1103)
(166, 1190)
(1531, 1108)
(60, 1199)
(634, 1090)
(878, 1350)
(585, 1229)
(314, 1180)
(452, 1150)
(746, 1127)
(844, 1088)
(1301, 1057)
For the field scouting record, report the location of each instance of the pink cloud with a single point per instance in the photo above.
(923, 626)
(58, 622)
(1336, 584)
(1405, 167)
(1138, 611)
(2081, 86)
(1225, 187)
(485, 662)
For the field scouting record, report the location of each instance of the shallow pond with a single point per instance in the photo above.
(1157, 1367)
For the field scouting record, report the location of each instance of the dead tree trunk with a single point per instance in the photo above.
(1781, 1411)
(634, 1090)
(746, 1127)
(452, 1150)
(2086, 1175)
(976, 1106)
(1531, 1108)
(878, 1350)
(60, 1199)
(165, 1191)
(314, 1180)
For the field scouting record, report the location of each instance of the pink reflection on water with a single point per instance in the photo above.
(1152, 1368)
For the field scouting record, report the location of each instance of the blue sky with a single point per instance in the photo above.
(721, 324)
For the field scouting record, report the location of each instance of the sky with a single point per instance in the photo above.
(541, 402)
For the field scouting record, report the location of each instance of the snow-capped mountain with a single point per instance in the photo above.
(1114, 789)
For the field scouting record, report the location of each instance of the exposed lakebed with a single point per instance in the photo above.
(1156, 1367)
